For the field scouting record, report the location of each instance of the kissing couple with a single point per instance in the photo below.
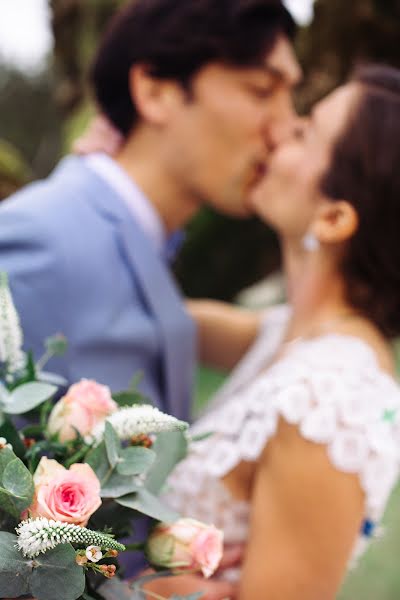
(305, 447)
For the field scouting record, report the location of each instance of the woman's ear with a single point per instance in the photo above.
(335, 222)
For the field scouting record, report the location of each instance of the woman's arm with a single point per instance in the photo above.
(225, 331)
(305, 518)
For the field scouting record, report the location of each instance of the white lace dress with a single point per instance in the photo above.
(332, 388)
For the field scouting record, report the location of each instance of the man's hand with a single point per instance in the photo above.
(213, 589)
(182, 585)
(100, 136)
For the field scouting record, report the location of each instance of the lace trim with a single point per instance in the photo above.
(355, 413)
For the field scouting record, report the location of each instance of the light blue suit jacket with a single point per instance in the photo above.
(78, 264)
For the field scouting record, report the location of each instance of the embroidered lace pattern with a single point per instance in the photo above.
(333, 390)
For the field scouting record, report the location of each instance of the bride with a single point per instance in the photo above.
(305, 444)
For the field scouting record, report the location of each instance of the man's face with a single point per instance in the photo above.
(218, 140)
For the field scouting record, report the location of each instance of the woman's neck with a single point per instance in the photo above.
(315, 290)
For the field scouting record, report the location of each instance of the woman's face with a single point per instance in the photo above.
(289, 195)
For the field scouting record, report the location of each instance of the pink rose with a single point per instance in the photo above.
(186, 545)
(69, 495)
(86, 404)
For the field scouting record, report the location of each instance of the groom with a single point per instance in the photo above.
(201, 93)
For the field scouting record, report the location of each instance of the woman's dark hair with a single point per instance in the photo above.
(175, 38)
(365, 171)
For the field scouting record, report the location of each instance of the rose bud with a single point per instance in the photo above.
(186, 545)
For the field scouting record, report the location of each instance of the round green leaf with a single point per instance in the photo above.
(27, 396)
(113, 444)
(18, 481)
(144, 502)
(15, 570)
(118, 485)
(170, 448)
(135, 460)
(57, 576)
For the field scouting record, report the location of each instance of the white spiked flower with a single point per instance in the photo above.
(11, 337)
(139, 419)
(36, 536)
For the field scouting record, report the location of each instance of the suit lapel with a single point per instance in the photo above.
(177, 331)
(176, 328)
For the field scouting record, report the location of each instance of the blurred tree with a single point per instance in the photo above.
(29, 122)
(341, 35)
(14, 171)
(77, 25)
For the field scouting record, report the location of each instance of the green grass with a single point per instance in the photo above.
(377, 576)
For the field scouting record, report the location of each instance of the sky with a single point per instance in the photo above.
(25, 37)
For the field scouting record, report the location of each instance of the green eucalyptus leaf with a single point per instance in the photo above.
(15, 571)
(170, 448)
(97, 458)
(19, 482)
(113, 445)
(130, 398)
(57, 576)
(54, 378)
(148, 504)
(135, 460)
(118, 485)
(7, 504)
(27, 396)
(48, 576)
(16, 491)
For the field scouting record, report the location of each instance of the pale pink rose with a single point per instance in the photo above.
(94, 396)
(186, 545)
(86, 404)
(69, 495)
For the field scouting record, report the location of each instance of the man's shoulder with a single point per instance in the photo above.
(54, 202)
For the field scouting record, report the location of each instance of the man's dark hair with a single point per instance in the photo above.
(364, 170)
(175, 38)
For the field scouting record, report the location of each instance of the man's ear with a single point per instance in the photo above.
(335, 222)
(153, 98)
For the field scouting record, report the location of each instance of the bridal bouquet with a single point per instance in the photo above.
(75, 473)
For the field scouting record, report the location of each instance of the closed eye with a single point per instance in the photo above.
(261, 92)
(301, 129)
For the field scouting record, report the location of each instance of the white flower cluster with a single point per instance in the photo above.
(11, 337)
(36, 536)
(139, 419)
(94, 553)
(4, 444)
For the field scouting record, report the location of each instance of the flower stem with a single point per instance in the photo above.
(43, 360)
(139, 546)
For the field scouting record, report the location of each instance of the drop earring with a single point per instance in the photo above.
(311, 242)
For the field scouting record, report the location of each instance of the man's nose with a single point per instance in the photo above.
(281, 123)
